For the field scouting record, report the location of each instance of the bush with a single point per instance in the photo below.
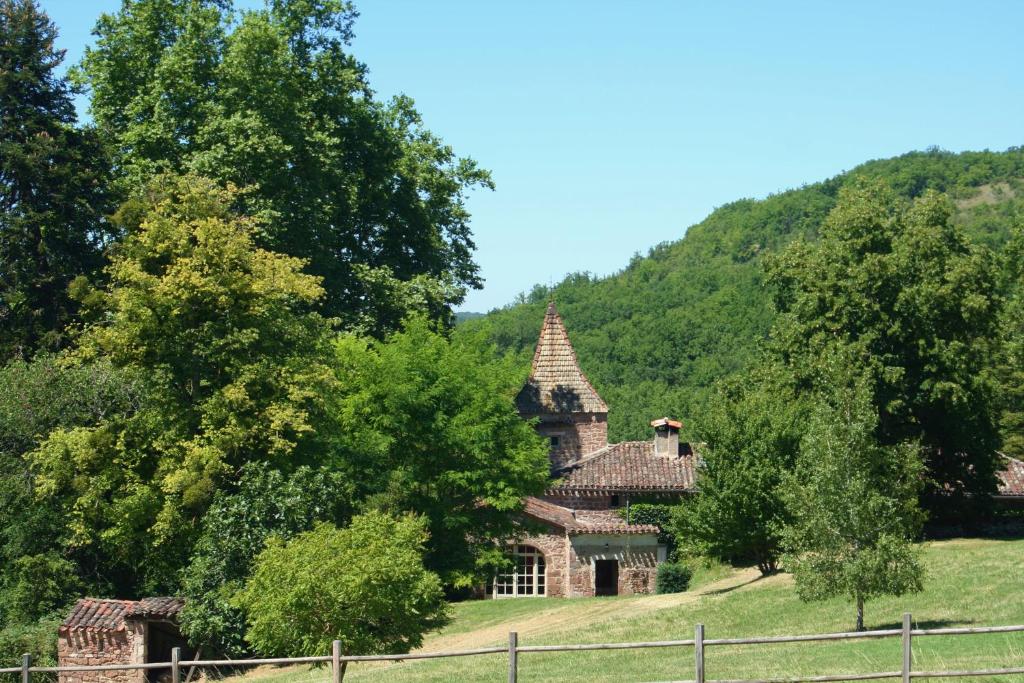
(38, 639)
(364, 585)
(673, 577)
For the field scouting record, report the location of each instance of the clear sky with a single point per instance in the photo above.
(611, 126)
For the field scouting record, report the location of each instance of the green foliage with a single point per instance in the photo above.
(41, 571)
(853, 500)
(38, 639)
(426, 424)
(53, 187)
(265, 503)
(900, 290)
(751, 432)
(658, 514)
(235, 368)
(673, 577)
(364, 585)
(1009, 367)
(269, 98)
(654, 338)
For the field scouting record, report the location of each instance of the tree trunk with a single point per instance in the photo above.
(860, 613)
(341, 676)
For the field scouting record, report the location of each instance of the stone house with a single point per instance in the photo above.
(586, 546)
(99, 632)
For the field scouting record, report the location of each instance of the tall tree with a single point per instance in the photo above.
(900, 288)
(53, 187)
(236, 367)
(270, 98)
(751, 435)
(427, 426)
(853, 501)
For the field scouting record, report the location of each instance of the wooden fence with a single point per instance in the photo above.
(699, 644)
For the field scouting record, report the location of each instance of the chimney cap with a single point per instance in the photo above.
(667, 422)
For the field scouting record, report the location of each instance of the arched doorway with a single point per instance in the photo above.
(525, 578)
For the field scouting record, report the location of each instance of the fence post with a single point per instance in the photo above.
(698, 653)
(26, 662)
(176, 665)
(513, 657)
(336, 661)
(906, 647)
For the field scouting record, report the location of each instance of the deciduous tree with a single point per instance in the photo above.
(751, 433)
(903, 291)
(236, 367)
(271, 99)
(853, 501)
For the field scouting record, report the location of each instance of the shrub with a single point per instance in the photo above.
(38, 639)
(673, 577)
(364, 585)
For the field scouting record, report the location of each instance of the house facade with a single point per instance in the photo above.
(587, 545)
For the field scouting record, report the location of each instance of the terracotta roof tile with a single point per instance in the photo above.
(628, 466)
(583, 521)
(1011, 478)
(556, 383)
(97, 614)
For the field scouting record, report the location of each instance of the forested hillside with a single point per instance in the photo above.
(655, 336)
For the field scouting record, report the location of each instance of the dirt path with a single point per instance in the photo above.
(565, 614)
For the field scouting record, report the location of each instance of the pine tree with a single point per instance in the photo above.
(53, 190)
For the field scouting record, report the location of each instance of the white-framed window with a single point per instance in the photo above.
(525, 577)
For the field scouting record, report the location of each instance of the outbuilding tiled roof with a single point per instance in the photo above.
(583, 521)
(628, 466)
(96, 614)
(556, 383)
(1011, 478)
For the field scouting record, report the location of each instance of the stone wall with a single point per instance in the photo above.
(578, 435)
(81, 647)
(553, 545)
(637, 556)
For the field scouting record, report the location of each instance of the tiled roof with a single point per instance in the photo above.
(628, 466)
(583, 521)
(1011, 478)
(96, 614)
(556, 383)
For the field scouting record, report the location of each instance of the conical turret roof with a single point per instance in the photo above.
(556, 384)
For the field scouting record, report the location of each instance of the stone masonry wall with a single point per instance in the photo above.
(553, 545)
(579, 434)
(79, 647)
(638, 564)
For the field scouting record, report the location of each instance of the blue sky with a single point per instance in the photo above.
(610, 127)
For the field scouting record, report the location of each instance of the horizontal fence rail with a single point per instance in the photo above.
(514, 649)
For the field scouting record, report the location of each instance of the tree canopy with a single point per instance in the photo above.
(853, 500)
(271, 99)
(54, 188)
(918, 307)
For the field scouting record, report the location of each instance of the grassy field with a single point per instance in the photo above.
(969, 582)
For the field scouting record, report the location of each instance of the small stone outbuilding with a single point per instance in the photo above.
(102, 631)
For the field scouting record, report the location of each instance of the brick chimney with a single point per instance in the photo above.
(666, 436)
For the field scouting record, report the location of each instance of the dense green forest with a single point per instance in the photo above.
(655, 337)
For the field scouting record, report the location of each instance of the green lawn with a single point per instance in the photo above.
(969, 582)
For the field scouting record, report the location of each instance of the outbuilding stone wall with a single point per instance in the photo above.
(83, 647)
